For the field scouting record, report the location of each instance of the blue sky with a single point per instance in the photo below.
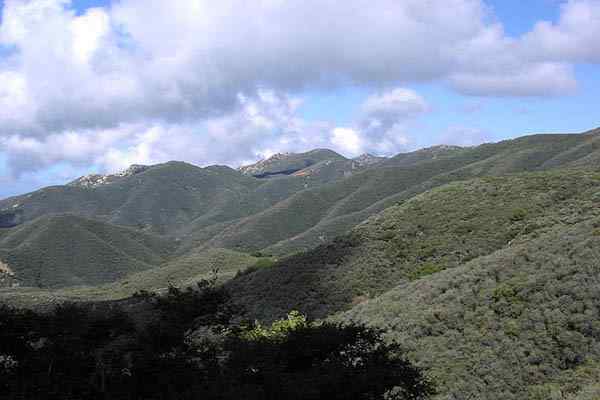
(93, 86)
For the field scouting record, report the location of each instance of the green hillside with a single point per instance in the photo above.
(491, 283)
(65, 250)
(160, 199)
(519, 323)
(180, 271)
(316, 215)
(197, 209)
(288, 163)
(437, 230)
(482, 261)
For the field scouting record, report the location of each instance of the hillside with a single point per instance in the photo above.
(519, 323)
(199, 209)
(180, 272)
(316, 215)
(440, 229)
(159, 199)
(491, 283)
(289, 163)
(65, 250)
(481, 261)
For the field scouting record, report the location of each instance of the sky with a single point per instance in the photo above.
(92, 86)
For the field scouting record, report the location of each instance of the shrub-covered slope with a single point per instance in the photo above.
(218, 207)
(316, 215)
(160, 199)
(523, 322)
(437, 230)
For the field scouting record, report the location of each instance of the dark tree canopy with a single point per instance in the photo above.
(184, 345)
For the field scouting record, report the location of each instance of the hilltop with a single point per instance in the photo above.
(200, 209)
(480, 260)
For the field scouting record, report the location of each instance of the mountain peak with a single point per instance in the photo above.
(288, 163)
(94, 180)
(367, 159)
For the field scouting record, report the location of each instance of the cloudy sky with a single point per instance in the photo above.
(96, 85)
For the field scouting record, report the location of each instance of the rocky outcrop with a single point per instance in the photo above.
(366, 160)
(7, 276)
(288, 163)
(94, 180)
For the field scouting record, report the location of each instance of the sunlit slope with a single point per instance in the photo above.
(440, 229)
(65, 250)
(314, 216)
(519, 323)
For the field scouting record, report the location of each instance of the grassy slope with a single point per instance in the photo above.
(312, 216)
(181, 271)
(65, 250)
(161, 199)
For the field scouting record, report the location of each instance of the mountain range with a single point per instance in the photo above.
(482, 261)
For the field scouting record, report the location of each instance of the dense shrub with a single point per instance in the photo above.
(184, 345)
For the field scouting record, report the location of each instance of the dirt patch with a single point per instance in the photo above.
(5, 269)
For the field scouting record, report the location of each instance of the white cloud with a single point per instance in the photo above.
(573, 38)
(384, 118)
(206, 81)
(347, 140)
(88, 30)
(523, 82)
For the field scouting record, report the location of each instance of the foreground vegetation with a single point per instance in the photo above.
(186, 345)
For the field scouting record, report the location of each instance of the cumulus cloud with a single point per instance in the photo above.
(573, 38)
(206, 81)
(384, 117)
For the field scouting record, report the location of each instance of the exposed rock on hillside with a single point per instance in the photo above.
(94, 180)
(288, 163)
(366, 159)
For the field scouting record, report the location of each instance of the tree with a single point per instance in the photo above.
(300, 360)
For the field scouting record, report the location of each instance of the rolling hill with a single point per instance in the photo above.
(66, 250)
(284, 212)
(491, 284)
(482, 261)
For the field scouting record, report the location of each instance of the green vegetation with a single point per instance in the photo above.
(519, 323)
(181, 272)
(441, 229)
(481, 262)
(424, 270)
(65, 250)
(184, 345)
(218, 207)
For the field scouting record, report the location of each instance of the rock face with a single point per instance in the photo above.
(288, 163)
(94, 180)
(366, 159)
(7, 276)
(270, 166)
